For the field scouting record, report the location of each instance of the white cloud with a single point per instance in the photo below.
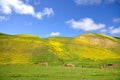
(114, 30)
(3, 18)
(91, 2)
(86, 24)
(18, 6)
(103, 30)
(45, 12)
(116, 20)
(84, 2)
(55, 34)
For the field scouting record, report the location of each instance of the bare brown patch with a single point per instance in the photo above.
(108, 65)
(41, 63)
(69, 65)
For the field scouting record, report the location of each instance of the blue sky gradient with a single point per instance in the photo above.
(63, 18)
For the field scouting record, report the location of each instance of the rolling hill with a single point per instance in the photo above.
(27, 49)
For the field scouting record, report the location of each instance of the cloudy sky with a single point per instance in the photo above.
(60, 17)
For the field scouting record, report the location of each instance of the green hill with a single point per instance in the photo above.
(103, 41)
(27, 36)
(27, 49)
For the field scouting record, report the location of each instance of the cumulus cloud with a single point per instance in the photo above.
(3, 18)
(114, 30)
(55, 34)
(86, 24)
(91, 2)
(19, 7)
(45, 12)
(116, 20)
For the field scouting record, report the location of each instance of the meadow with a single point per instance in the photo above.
(37, 72)
(19, 53)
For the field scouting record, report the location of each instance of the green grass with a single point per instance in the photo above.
(27, 49)
(36, 72)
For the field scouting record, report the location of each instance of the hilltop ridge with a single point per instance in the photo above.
(25, 48)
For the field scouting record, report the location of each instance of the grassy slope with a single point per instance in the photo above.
(55, 50)
(104, 41)
(32, 72)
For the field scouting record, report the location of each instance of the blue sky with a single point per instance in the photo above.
(60, 17)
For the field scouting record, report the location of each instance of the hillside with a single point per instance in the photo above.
(27, 49)
(104, 41)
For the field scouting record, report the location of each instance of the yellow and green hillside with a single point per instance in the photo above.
(27, 49)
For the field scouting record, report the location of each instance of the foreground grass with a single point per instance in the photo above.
(36, 72)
